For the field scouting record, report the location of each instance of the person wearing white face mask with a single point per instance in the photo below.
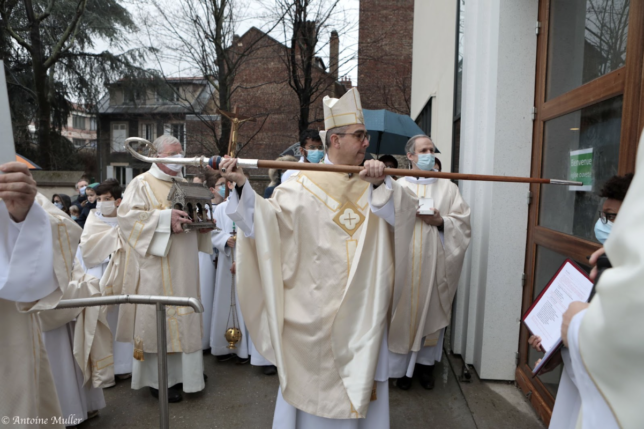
(163, 259)
(311, 148)
(438, 245)
(614, 190)
(99, 246)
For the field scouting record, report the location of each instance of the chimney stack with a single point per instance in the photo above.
(334, 54)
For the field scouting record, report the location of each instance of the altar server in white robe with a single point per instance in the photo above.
(605, 338)
(222, 316)
(101, 253)
(35, 259)
(438, 248)
(161, 259)
(317, 279)
(207, 270)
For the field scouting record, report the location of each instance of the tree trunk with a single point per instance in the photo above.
(224, 104)
(41, 83)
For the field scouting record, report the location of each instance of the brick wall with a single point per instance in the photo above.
(385, 54)
(262, 90)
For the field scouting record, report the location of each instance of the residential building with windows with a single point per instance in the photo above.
(81, 128)
(517, 88)
(182, 107)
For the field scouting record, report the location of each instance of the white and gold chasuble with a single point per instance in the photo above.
(436, 261)
(175, 272)
(315, 285)
(47, 239)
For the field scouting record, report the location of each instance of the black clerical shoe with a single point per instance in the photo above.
(224, 358)
(174, 394)
(242, 361)
(403, 383)
(269, 370)
(427, 376)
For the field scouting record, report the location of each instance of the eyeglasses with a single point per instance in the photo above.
(358, 135)
(605, 217)
(320, 147)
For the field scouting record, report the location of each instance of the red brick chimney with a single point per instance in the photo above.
(334, 54)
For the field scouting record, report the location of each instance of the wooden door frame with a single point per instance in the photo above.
(627, 80)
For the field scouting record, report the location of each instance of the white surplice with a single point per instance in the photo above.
(595, 412)
(568, 403)
(122, 351)
(221, 313)
(29, 282)
(207, 273)
(76, 399)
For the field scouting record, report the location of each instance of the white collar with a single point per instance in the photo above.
(421, 180)
(111, 221)
(327, 160)
(156, 172)
(301, 159)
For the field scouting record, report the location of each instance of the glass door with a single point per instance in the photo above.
(587, 124)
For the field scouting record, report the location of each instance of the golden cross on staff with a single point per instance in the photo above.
(236, 119)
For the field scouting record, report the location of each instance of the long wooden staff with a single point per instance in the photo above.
(213, 162)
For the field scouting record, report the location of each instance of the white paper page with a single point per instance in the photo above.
(426, 206)
(7, 148)
(547, 315)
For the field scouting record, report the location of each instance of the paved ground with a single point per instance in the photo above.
(242, 397)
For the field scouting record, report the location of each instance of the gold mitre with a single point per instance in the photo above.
(340, 112)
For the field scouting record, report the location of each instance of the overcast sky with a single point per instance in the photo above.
(254, 9)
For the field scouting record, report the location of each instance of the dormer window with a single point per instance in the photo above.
(168, 93)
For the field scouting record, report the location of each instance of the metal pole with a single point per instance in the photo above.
(162, 343)
(162, 357)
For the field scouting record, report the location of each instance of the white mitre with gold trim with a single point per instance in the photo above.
(340, 112)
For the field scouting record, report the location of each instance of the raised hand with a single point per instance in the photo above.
(231, 172)
(17, 189)
(373, 172)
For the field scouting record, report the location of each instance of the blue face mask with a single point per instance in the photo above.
(425, 161)
(602, 230)
(314, 155)
(59, 206)
(222, 191)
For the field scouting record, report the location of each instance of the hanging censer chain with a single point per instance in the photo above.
(233, 333)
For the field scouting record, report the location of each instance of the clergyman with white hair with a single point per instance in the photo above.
(441, 237)
(162, 260)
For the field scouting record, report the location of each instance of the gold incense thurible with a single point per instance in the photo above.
(233, 336)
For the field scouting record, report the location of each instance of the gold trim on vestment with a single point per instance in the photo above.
(134, 228)
(352, 247)
(319, 193)
(343, 218)
(101, 364)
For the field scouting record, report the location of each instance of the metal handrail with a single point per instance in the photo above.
(162, 343)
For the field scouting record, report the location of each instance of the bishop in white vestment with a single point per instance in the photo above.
(161, 260)
(317, 279)
(33, 245)
(437, 247)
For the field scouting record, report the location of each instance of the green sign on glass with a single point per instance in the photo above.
(581, 169)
